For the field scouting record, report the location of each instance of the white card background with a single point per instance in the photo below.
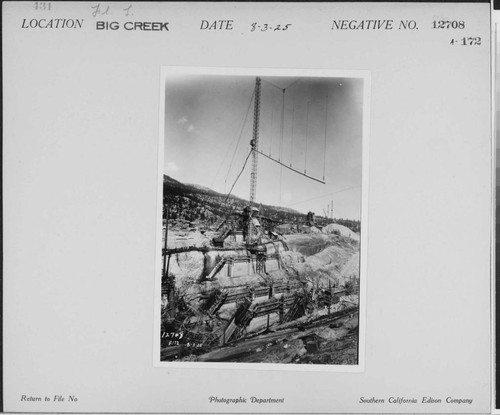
(81, 120)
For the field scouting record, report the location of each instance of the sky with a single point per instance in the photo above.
(315, 126)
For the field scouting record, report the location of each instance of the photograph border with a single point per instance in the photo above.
(165, 71)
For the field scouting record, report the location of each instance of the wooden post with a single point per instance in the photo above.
(282, 307)
(171, 299)
(330, 296)
(165, 269)
(270, 296)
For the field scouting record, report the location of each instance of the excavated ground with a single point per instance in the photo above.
(318, 259)
(326, 258)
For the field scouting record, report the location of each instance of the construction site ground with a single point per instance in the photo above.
(331, 342)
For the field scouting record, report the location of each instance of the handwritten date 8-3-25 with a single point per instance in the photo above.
(264, 27)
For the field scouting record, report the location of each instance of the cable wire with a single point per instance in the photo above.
(326, 126)
(229, 147)
(239, 138)
(270, 83)
(328, 194)
(243, 168)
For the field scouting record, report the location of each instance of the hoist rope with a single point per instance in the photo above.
(326, 126)
(271, 129)
(307, 125)
(229, 146)
(270, 83)
(243, 168)
(291, 146)
(239, 138)
(281, 140)
(282, 126)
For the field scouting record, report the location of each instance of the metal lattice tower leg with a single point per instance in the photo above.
(255, 141)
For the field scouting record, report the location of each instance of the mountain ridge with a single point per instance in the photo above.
(207, 207)
(193, 202)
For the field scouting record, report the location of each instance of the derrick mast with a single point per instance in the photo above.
(255, 141)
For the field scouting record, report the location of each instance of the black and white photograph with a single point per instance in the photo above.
(262, 218)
